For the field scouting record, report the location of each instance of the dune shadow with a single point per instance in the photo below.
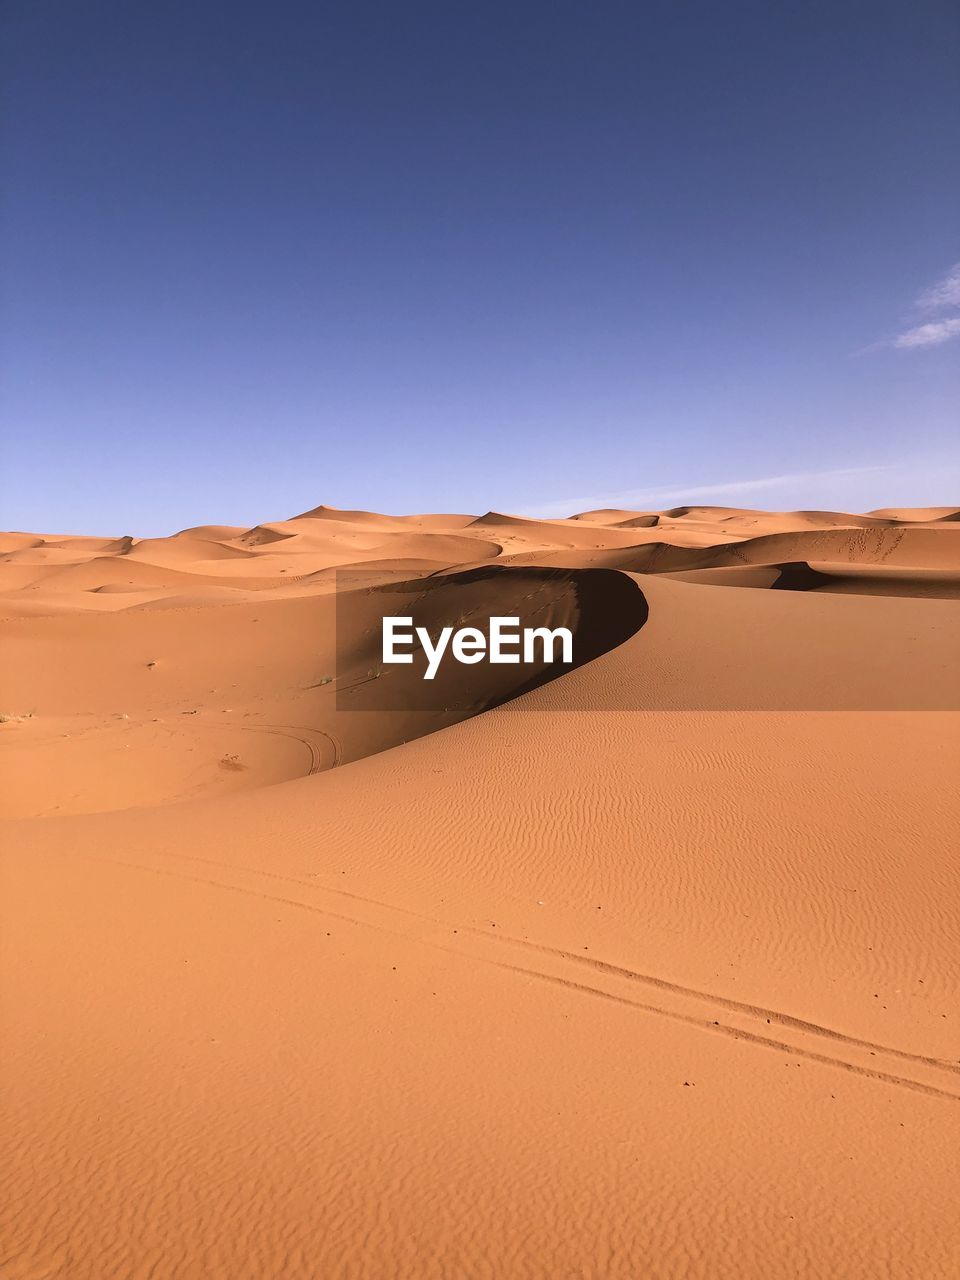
(602, 608)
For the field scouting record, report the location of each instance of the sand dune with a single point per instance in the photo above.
(645, 966)
(919, 515)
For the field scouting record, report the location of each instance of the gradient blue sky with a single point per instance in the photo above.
(532, 256)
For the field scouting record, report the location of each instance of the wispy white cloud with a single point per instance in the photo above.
(656, 499)
(939, 297)
(929, 335)
(944, 295)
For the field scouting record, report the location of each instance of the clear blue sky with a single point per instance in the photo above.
(532, 256)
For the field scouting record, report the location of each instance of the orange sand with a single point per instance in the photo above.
(649, 971)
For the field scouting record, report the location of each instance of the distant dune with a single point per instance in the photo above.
(646, 970)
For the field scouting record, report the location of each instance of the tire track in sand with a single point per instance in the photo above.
(663, 998)
(304, 736)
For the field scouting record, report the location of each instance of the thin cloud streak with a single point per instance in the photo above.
(655, 499)
(929, 335)
(943, 295)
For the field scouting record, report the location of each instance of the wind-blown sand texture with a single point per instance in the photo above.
(650, 970)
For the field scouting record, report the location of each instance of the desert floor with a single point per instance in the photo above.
(650, 970)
